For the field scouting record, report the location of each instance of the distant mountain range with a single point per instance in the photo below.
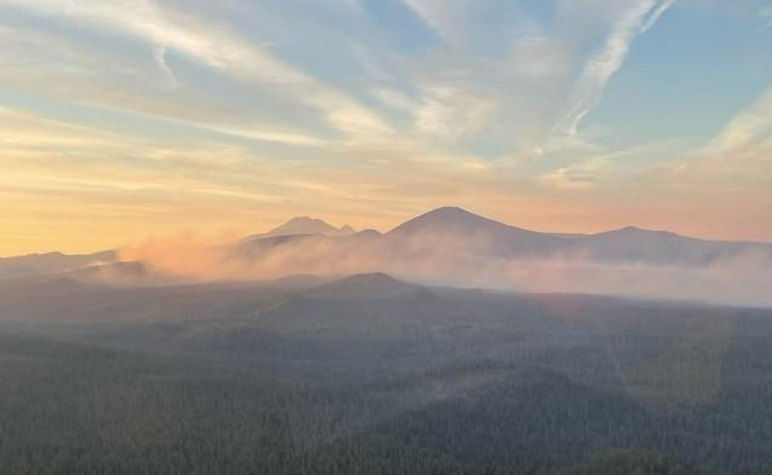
(452, 229)
(629, 244)
(448, 245)
(456, 230)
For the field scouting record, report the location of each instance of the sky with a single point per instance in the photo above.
(121, 120)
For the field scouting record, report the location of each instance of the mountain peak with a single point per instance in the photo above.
(446, 219)
(634, 230)
(449, 209)
(308, 225)
(450, 212)
(305, 220)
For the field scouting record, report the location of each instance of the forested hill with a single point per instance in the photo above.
(371, 375)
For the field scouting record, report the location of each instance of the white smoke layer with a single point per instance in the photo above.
(743, 278)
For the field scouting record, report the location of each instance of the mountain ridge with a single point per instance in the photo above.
(447, 244)
(321, 226)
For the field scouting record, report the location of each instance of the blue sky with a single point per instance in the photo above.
(128, 118)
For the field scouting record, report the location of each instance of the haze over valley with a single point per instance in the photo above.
(125, 366)
(447, 246)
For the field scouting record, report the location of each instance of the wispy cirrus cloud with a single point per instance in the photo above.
(459, 93)
(750, 126)
(634, 18)
(57, 67)
(443, 17)
(159, 54)
(214, 46)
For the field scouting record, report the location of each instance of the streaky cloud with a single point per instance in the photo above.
(750, 126)
(216, 47)
(635, 18)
